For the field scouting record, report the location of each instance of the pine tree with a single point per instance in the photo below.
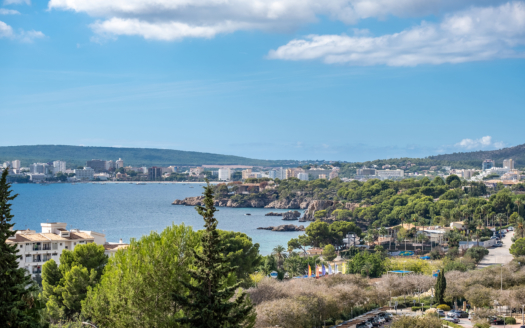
(441, 286)
(209, 303)
(18, 307)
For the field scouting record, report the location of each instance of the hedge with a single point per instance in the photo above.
(510, 321)
(451, 324)
(418, 308)
(443, 307)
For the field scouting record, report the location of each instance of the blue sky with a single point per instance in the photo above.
(284, 79)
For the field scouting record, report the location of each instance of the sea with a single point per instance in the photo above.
(125, 211)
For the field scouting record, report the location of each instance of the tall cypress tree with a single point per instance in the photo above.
(209, 303)
(18, 308)
(441, 286)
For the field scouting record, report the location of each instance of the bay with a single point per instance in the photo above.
(130, 211)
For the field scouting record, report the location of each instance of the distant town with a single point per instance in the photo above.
(108, 170)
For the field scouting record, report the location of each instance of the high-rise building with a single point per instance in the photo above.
(97, 165)
(487, 164)
(39, 168)
(110, 165)
(15, 164)
(390, 173)
(366, 171)
(290, 173)
(508, 164)
(6, 165)
(59, 166)
(155, 173)
(302, 176)
(119, 163)
(246, 173)
(225, 174)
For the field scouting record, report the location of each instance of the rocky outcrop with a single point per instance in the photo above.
(190, 201)
(273, 214)
(285, 227)
(316, 205)
(291, 215)
(292, 204)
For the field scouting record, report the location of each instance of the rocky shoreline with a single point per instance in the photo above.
(285, 227)
(309, 205)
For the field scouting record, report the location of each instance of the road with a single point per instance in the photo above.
(498, 255)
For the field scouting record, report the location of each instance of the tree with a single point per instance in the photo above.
(441, 286)
(329, 252)
(243, 254)
(375, 260)
(452, 178)
(518, 248)
(18, 308)
(278, 252)
(65, 286)
(136, 288)
(209, 303)
(319, 233)
(299, 243)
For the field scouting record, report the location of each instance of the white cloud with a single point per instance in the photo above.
(472, 35)
(4, 11)
(7, 31)
(481, 143)
(175, 19)
(17, 2)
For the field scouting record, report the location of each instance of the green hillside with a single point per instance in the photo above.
(78, 155)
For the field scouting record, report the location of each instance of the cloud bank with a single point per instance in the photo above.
(175, 19)
(4, 11)
(7, 32)
(481, 143)
(471, 35)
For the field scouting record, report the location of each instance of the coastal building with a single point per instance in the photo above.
(302, 176)
(37, 248)
(487, 164)
(323, 176)
(508, 164)
(290, 173)
(97, 165)
(101, 176)
(196, 171)
(39, 168)
(59, 166)
(110, 165)
(15, 164)
(314, 173)
(225, 174)
(511, 175)
(154, 173)
(36, 177)
(86, 173)
(333, 174)
(389, 174)
(119, 163)
(245, 174)
(365, 171)
(277, 173)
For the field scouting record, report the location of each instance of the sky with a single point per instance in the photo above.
(349, 80)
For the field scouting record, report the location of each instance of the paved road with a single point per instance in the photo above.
(498, 255)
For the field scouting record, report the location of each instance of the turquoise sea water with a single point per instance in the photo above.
(130, 211)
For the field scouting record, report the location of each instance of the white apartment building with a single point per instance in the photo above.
(37, 248)
(119, 163)
(196, 171)
(37, 177)
(277, 173)
(302, 176)
(15, 164)
(225, 174)
(39, 168)
(59, 166)
(390, 173)
(508, 164)
(85, 174)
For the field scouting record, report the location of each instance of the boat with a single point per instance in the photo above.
(140, 183)
(247, 214)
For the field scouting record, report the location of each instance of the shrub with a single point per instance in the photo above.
(418, 308)
(451, 324)
(510, 321)
(482, 325)
(484, 238)
(443, 307)
(476, 253)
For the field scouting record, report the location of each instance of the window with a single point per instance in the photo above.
(60, 244)
(74, 243)
(55, 246)
(21, 246)
(66, 247)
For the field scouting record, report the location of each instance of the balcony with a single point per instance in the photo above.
(37, 248)
(37, 271)
(46, 247)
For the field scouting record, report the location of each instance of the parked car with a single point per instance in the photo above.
(451, 319)
(496, 321)
(385, 315)
(441, 313)
(498, 245)
(459, 313)
(510, 229)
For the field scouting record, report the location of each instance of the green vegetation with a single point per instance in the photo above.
(18, 307)
(416, 322)
(441, 286)
(518, 247)
(211, 301)
(78, 155)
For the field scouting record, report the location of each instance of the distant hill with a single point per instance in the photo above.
(466, 160)
(78, 155)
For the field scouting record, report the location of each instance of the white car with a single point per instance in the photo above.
(510, 229)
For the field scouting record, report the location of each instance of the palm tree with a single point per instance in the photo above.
(293, 264)
(367, 267)
(499, 218)
(278, 252)
(520, 226)
(519, 202)
(369, 238)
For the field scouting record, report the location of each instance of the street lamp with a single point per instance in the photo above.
(522, 308)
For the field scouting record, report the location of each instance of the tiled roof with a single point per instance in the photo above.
(32, 237)
(115, 246)
(80, 235)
